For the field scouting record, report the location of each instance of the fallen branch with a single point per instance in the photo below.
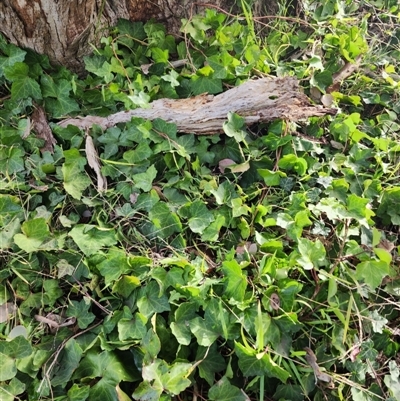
(258, 101)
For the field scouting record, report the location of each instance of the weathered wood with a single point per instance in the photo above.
(258, 101)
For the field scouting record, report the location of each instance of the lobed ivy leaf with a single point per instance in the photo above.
(80, 310)
(312, 253)
(69, 361)
(372, 272)
(144, 181)
(35, 232)
(253, 364)
(235, 280)
(90, 239)
(223, 390)
(8, 368)
(22, 85)
(150, 300)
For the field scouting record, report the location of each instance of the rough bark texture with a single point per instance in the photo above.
(260, 100)
(64, 29)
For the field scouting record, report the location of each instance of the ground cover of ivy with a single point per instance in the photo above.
(213, 267)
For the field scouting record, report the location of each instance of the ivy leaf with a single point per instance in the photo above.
(78, 393)
(132, 29)
(57, 96)
(69, 361)
(10, 392)
(114, 265)
(213, 363)
(8, 368)
(392, 381)
(17, 348)
(223, 390)
(132, 329)
(204, 334)
(150, 301)
(173, 379)
(90, 239)
(11, 160)
(35, 231)
(80, 310)
(180, 328)
(14, 55)
(292, 162)
(105, 364)
(145, 180)
(234, 127)
(22, 85)
(198, 214)
(372, 272)
(165, 221)
(206, 85)
(289, 391)
(271, 178)
(312, 253)
(253, 364)
(75, 181)
(235, 279)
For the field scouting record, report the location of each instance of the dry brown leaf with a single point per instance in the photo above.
(224, 163)
(274, 301)
(6, 311)
(93, 160)
(312, 361)
(43, 130)
(386, 244)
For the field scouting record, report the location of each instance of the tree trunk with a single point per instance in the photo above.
(65, 29)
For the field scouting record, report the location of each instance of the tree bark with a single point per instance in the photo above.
(65, 29)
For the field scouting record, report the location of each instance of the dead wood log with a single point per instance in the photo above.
(257, 101)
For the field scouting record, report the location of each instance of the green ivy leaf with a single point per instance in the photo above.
(372, 272)
(22, 85)
(150, 300)
(11, 160)
(144, 181)
(165, 221)
(204, 334)
(292, 162)
(223, 390)
(69, 361)
(199, 217)
(132, 329)
(235, 279)
(114, 265)
(9, 392)
(14, 55)
(271, 178)
(235, 127)
(75, 181)
(17, 348)
(180, 328)
(253, 364)
(8, 368)
(173, 378)
(201, 85)
(213, 363)
(90, 239)
(312, 253)
(80, 310)
(78, 393)
(35, 231)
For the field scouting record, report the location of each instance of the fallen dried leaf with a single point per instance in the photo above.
(93, 160)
